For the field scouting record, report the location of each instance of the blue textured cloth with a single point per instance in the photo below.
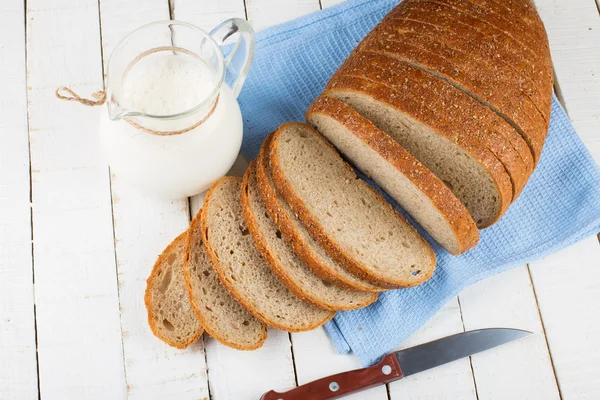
(559, 206)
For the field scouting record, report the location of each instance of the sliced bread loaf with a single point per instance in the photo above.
(285, 263)
(407, 181)
(468, 116)
(344, 214)
(220, 314)
(471, 171)
(170, 314)
(311, 252)
(241, 267)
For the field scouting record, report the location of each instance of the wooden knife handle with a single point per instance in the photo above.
(345, 383)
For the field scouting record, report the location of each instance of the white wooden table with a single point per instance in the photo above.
(76, 246)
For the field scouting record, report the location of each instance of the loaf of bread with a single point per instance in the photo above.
(471, 78)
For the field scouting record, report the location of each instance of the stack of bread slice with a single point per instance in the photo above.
(444, 106)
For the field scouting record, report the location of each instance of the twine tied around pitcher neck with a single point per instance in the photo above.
(100, 99)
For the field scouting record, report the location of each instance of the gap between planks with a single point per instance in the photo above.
(462, 321)
(37, 358)
(112, 208)
(537, 303)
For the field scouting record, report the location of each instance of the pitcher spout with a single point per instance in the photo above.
(116, 112)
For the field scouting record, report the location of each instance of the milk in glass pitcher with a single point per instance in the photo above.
(172, 124)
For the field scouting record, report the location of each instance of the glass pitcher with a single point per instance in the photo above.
(172, 124)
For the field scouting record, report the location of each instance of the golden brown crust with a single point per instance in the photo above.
(281, 218)
(418, 43)
(195, 225)
(522, 23)
(268, 255)
(314, 227)
(443, 126)
(216, 265)
(531, 35)
(156, 269)
(474, 119)
(485, 41)
(454, 212)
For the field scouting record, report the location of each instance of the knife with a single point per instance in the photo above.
(402, 363)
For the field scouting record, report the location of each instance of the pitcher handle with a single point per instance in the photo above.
(237, 62)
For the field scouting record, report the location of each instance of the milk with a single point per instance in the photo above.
(162, 84)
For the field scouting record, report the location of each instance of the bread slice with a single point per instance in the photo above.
(416, 189)
(170, 314)
(468, 116)
(344, 214)
(220, 314)
(284, 262)
(311, 252)
(471, 171)
(242, 269)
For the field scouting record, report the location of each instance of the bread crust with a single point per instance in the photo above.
(517, 109)
(318, 233)
(215, 333)
(477, 37)
(533, 36)
(475, 120)
(454, 212)
(271, 259)
(400, 101)
(499, 88)
(216, 265)
(156, 269)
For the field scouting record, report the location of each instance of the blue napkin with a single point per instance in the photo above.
(559, 206)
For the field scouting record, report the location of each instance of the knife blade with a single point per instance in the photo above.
(402, 363)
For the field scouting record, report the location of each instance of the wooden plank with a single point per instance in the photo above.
(315, 358)
(265, 13)
(567, 286)
(143, 226)
(566, 303)
(18, 369)
(207, 14)
(246, 375)
(573, 28)
(330, 3)
(78, 327)
(450, 381)
(520, 370)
